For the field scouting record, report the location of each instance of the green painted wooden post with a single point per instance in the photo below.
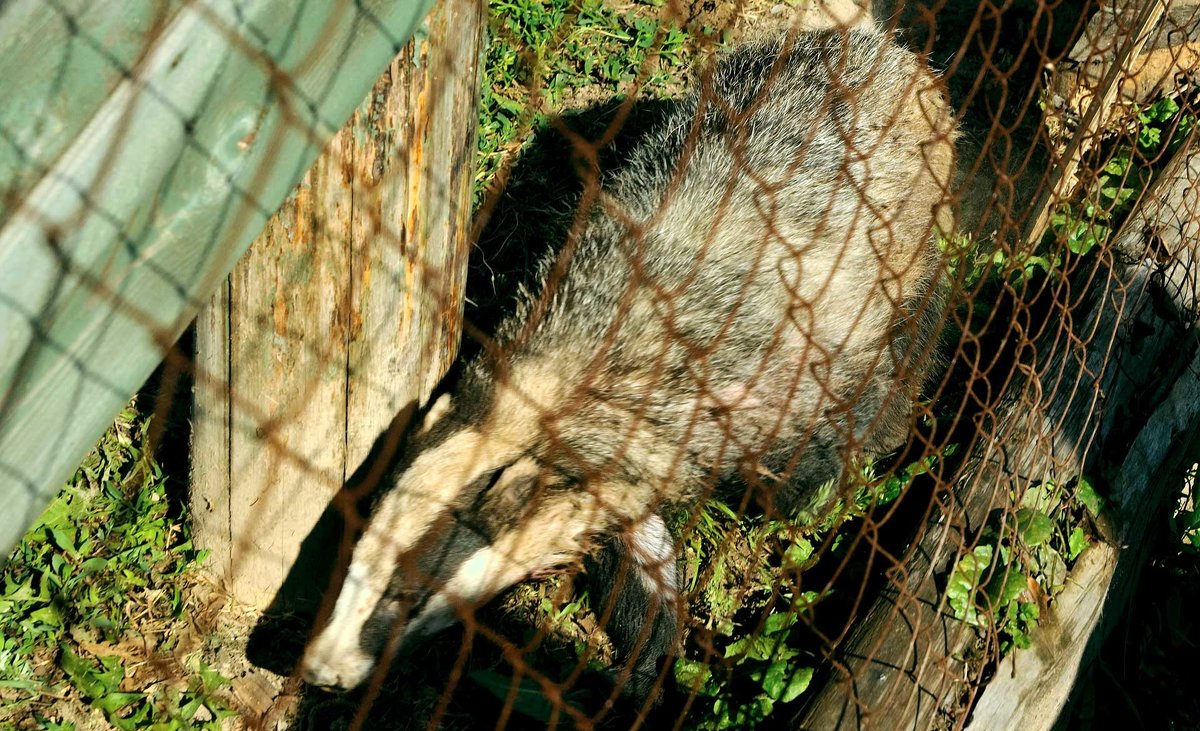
(143, 145)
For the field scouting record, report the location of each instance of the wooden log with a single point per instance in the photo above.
(1138, 21)
(132, 182)
(1031, 688)
(908, 662)
(1170, 54)
(414, 155)
(348, 306)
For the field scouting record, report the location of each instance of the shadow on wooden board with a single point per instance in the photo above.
(531, 219)
(305, 598)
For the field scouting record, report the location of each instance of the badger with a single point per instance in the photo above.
(750, 298)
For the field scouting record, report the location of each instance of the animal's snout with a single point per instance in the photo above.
(325, 676)
(329, 665)
(337, 656)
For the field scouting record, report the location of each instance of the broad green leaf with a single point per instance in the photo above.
(114, 673)
(48, 614)
(692, 675)
(1077, 541)
(775, 678)
(114, 702)
(211, 679)
(58, 513)
(1163, 109)
(86, 678)
(509, 105)
(1006, 584)
(1118, 165)
(24, 592)
(797, 684)
(92, 565)
(1044, 497)
(764, 707)
(797, 554)
(189, 708)
(1087, 495)
(964, 581)
(783, 681)
(1189, 520)
(738, 647)
(64, 538)
(1051, 567)
(1034, 527)
(778, 621)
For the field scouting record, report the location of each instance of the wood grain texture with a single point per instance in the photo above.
(347, 308)
(287, 376)
(125, 214)
(907, 663)
(69, 56)
(1031, 688)
(1170, 54)
(415, 147)
(210, 432)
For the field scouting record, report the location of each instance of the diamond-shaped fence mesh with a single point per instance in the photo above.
(656, 365)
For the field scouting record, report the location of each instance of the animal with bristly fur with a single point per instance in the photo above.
(754, 294)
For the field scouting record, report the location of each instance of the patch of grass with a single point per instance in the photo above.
(94, 597)
(544, 57)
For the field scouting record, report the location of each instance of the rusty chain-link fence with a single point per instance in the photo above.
(821, 367)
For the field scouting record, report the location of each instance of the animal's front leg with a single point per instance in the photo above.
(635, 585)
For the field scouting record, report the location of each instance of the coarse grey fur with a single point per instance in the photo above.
(751, 297)
(647, 335)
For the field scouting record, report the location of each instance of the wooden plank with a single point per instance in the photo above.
(69, 56)
(412, 208)
(288, 304)
(1087, 377)
(1138, 20)
(1031, 687)
(1171, 53)
(346, 309)
(210, 477)
(112, 250)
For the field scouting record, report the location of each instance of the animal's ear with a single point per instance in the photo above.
(435, 413)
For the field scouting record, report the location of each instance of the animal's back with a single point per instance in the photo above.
(741, 281)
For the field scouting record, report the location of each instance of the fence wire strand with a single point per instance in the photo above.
(703, 365)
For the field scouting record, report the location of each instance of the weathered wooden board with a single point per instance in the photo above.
(1138, 21)
(1094, 367)
(415, 148)
(1030, 688)
(1170, 54)
(68, 56)
(346, 308)
(287, 370)
(119, 231)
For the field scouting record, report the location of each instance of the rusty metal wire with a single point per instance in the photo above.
(1064, 316)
